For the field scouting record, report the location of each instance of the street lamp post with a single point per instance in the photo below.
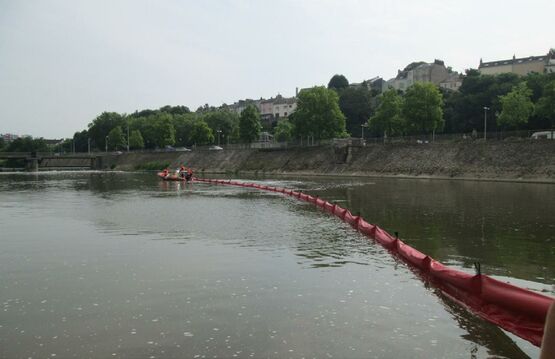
(219, 131)
(362, 130)
(106, 140)
(485, 120)
(363, 142)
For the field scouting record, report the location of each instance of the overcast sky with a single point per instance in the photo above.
(62, 63)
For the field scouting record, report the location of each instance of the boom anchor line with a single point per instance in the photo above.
(477, 267)
(515, 309)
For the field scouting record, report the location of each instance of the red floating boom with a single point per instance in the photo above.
(517, 310)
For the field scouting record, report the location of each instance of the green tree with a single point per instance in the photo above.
(115, 139)
(2, 143)
(283, 131)
(158, 130)
(354, 102)
(205, 108)
(81, 141)
(338, 83)
(516, 107)
(536, 82)
(222, 120)
(183, 125)
(144, 113)
(175, 110)
(102, 125)
(201, 133)
(545, 107)
(388, 118)
(318, 114)
(423, 108)
(249, 124)
(191, 129)
(136, 141)
(464, 109)
(27, 144)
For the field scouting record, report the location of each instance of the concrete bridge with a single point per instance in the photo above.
(33, 161)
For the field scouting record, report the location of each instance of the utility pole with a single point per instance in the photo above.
(127, 136)
(89, 146)
(106, 138)
(362, 131)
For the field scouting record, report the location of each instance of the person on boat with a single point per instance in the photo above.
(166, 173)
(189, 174)
(182, 171)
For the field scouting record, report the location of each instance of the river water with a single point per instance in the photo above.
(122, 265)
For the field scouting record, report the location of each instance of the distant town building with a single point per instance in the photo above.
(520, 66)
(550, 68)
(53, 142)
(283, 107)
(267, 111)
(240, 105)
(434, 72)
(271, 110)
(452, 82)
(9, 137)
(375, 84)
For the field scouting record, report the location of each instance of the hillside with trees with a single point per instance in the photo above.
(513, 103)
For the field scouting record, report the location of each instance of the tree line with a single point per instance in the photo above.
(338, 110)
(167, 126)
(512, 102)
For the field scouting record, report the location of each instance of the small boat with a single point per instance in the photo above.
(173, 177)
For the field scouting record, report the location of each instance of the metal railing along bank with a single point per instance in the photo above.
(517, 310)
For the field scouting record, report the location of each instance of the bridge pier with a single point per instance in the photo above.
(96, 163)
(32, 164)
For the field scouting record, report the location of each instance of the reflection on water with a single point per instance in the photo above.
(124, 265)
(505, 226)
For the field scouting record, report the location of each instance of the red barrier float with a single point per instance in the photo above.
(367, 228)
(515, 309)
(328, 207)
(340, 212)
(320, 202)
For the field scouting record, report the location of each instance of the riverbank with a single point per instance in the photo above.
(510, 161)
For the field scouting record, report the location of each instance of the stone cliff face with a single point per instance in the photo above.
(496, 160)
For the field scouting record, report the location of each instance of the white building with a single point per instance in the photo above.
(434, 72)
(283, 107)
(271, 110)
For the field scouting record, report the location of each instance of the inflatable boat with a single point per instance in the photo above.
(172, 177)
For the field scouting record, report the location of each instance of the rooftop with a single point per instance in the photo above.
(514, 60)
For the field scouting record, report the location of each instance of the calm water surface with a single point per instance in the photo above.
(121, 265)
